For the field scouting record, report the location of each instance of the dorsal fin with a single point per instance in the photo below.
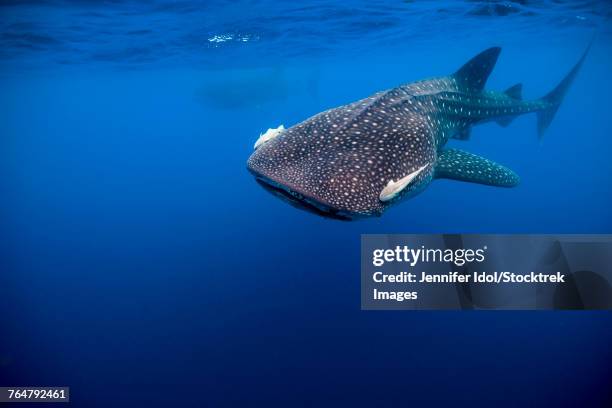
(515, 91)
(473, 75)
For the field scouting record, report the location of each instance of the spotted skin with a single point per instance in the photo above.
(340, 160)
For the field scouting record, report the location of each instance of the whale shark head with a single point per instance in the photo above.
(305, 178)
(348, 162)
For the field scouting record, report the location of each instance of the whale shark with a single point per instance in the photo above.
(359, 159)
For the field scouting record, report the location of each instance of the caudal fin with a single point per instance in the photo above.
(555, 97)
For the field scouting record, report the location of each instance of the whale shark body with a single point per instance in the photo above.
(357, 160)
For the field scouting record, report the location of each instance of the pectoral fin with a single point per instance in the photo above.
(459, 165)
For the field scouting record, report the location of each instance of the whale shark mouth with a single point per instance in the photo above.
(301, 201)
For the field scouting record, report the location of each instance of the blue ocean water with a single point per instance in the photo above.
(141, 265)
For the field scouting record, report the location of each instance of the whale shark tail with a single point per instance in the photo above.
(554, 98)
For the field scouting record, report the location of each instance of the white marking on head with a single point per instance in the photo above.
(268, 135)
